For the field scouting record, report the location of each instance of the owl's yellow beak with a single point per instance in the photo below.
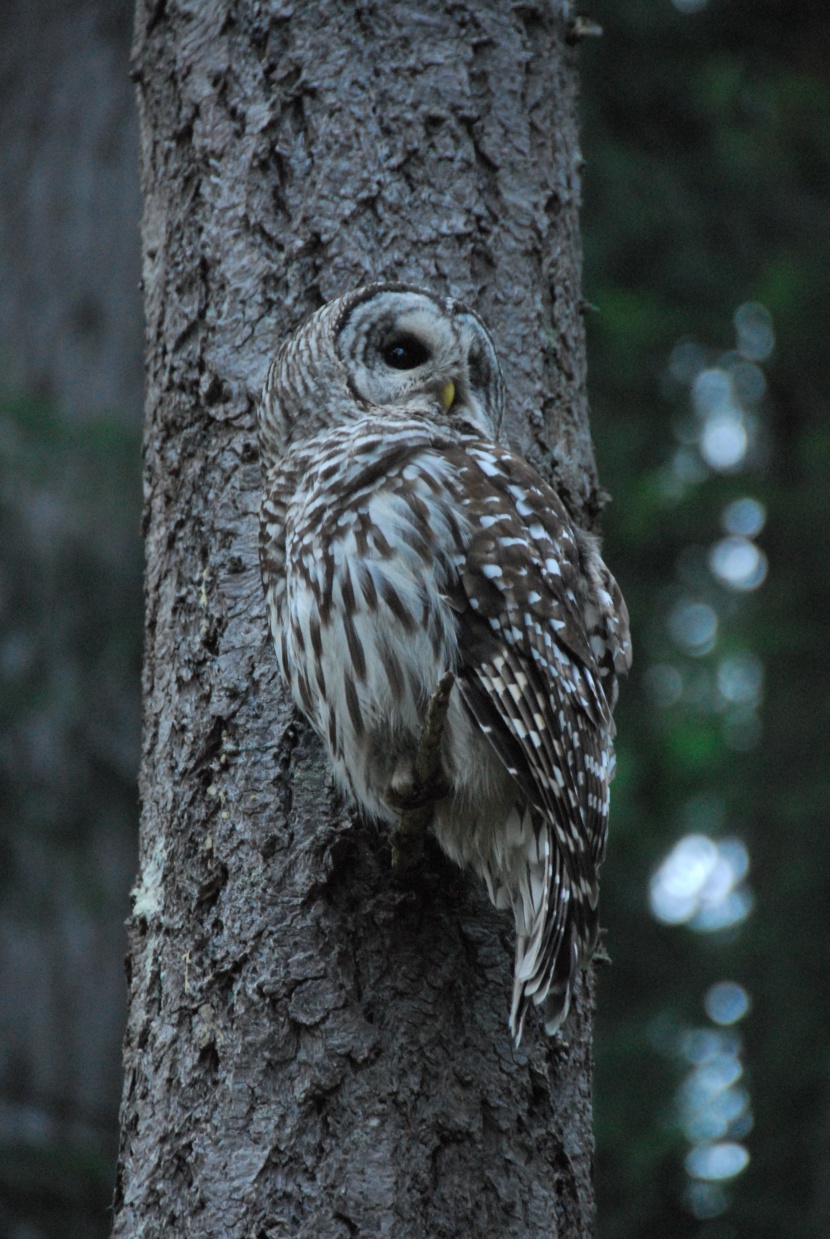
(448, 394)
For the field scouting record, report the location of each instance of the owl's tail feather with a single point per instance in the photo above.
(549, 931)
(555, 926)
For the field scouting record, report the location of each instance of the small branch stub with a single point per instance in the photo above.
(417, 789)
(582, 27)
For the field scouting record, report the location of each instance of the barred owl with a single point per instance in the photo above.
(401, 539)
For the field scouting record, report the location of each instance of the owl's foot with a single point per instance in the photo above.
(417, 784)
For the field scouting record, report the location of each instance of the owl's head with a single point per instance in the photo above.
(384, 346)
(400, 346)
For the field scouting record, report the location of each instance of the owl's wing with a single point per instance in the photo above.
(543, 633)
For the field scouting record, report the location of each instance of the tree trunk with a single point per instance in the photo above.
(314, 1049)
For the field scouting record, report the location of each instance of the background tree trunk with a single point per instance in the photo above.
(70, 309)
(71, 392)
(312, 1049)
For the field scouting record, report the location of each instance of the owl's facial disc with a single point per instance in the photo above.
(401, 346)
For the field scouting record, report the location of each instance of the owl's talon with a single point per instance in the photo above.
(415, 794)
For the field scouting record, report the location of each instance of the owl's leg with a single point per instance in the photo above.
(417, 784)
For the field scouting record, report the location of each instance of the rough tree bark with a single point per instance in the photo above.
(314, 1049)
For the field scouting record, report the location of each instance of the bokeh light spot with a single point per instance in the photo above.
(738, 563)
(754, 331)
(694, 627)
(707, 1200)
(722, 1160)
(749, 382)
(687, 360)
(712, 393)
(741, 679)
(724, 440)
(726, 1002)
(699, 884)
(744, 517)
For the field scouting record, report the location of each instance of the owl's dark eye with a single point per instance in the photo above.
(405, 353)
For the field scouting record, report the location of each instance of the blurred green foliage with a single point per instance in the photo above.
(70, 619)
(70, 653)
(707, 138)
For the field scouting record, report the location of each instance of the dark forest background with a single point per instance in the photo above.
(706, 134)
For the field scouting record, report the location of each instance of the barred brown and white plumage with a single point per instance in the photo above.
(400, 540)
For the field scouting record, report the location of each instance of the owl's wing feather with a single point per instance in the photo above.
(528, 668)
(531, 677)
